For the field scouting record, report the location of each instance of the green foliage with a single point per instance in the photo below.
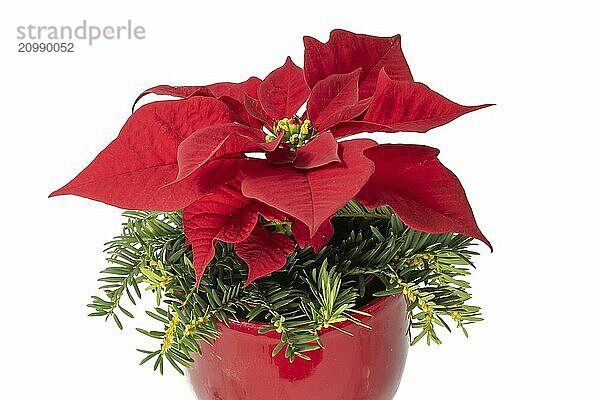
(371, 254)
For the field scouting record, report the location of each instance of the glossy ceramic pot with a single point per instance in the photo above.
(366, 366)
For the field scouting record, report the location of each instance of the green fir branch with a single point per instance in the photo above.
(372, 254)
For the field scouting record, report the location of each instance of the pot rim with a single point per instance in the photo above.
(251, 327)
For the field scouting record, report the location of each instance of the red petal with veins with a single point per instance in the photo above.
(223, 215)
(334, 100)
(320, 151)
(311, 196)
(217, 90)
(404, 106)
(258, 137)
(236, 91)
(166, 90)
(255, 109)
(421, 191)
(264, 252)
(282, 155)
(350, 128)
(318, 240)
(409, 106)
(213, 142)
(132, 171)
(283, 91)
(238, 110)
(232, 94)
(212, 175)
(346, 51)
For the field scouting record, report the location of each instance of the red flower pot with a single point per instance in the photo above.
(366, 366)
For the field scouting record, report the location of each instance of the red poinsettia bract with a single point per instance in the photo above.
(194, 154)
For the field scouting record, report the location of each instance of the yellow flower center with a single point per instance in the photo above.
(296, 132)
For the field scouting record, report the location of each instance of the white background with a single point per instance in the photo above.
(529, 166)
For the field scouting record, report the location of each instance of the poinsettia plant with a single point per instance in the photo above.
(251, 201)
(263, 166)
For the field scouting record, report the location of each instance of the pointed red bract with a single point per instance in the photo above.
(281, 155)
(217, 90)
(232, 94)
(283, 91)
(255, 109)
(313, 195)
(212, 175)
(346, 51)
(421, 191)
(240, 113)
(166, 90)
(258, 137)
(236, 91)
(320, 151)
(223, 215)
(131, 172)
(213, 142)
(334, 100)
(404, 106)
(318, 240)
(264, 252)
(408, 106)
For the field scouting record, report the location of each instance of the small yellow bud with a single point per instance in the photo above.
(296, 132)
(279, 328)
(170, 333)
(305, 128)
(294, 129)
(283, 125)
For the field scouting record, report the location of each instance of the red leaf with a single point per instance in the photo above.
(236, 91)
(350, 128)
(255, 109)
(217, 90)
(334, 100)
(283, 91)
(346, 51)
(282, 155)
(131, 172)
(259, 138)
(212, 175)
(238, 110)
(166, 90)
(311, 196)
(264, 252)
(233, 95)
(318, 240)
(421, 191)
(320, 151)
(223, 215)
(213, 142)
(405, 106)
